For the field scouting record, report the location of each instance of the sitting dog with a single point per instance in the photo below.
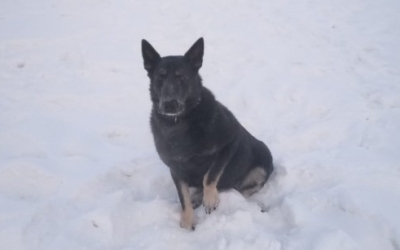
(197, 137)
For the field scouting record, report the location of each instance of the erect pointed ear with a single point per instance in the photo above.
(195, 53)
(150, 55)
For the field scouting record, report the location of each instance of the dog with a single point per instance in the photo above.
(197, 137)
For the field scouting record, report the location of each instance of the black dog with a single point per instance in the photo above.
(197, 137)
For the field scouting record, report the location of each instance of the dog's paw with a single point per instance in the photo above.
(187, 221)
(187, 225)
(210, 200)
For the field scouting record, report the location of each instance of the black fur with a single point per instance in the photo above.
(193, 132)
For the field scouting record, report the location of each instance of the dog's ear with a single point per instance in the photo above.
(150, 56)
(195, 53)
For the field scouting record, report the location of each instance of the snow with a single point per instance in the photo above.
(318, 81)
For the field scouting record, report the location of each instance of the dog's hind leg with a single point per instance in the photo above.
(253, 182)
(257, 177)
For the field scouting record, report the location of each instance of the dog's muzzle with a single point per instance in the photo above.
(171, 108)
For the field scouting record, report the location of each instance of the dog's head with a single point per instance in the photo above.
(175, 83)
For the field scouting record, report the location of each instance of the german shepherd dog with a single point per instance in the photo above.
(197, 137)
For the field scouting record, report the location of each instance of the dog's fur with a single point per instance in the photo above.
(197, 137)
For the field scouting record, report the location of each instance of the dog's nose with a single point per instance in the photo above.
(169, 107)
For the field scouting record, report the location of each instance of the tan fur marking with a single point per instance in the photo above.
(187, 216)
(210, 193)
(256, 176)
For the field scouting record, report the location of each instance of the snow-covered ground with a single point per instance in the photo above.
(318, 81)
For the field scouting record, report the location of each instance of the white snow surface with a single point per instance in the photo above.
(318, 81)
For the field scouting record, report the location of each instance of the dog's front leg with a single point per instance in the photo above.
(210, 180)
(210, 192)
(187, 216)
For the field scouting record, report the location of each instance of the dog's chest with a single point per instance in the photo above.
(179, 142)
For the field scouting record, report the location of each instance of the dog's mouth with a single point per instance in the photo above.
(171, 108)
(175, 114)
